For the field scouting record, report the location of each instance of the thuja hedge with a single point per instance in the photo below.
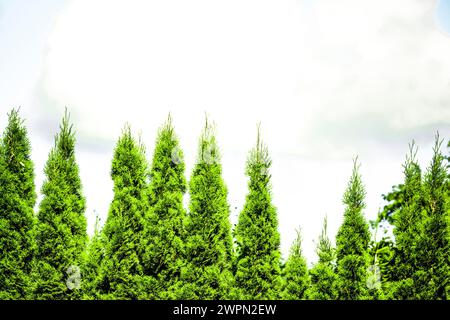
(152, 247)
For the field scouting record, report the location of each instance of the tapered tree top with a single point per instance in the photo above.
(407, 218)
(436, 174)
(61, 164)
(62, 235)
(324, 281)
(257, 236)
(167, 169)
(355, 193)
(325, 250)
(165, 249)
(296, 272)
(65, 140)
(207, 274)
(296, 247)
(16, 153)
(353, 236)
(412, 172)
(259, 159)
(408, 225)
(353, 241)
(121, 275)
(208, 151)
(129, 165)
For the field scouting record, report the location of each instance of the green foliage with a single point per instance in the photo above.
(17, 221)
(150, 248)
(257, 236)
(433, 249)
(61, 230)
(408, 220)
(207, 274)
(382, 256)
(395, 200)
(92, 260)
(352, 243)
(324, 280)
(295, 273)
(166, 233)
(121, 275)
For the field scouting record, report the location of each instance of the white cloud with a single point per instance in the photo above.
(328, 80)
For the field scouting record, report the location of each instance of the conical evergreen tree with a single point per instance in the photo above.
(17, 221)
(295, 273)
(61, 230)
(408, 221)
(433, 277)
(209, 245)
(324, 280)
(352, 243)
(122, 272)
(258, 240)
(166, 232)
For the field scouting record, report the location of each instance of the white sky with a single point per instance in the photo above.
(328, 81)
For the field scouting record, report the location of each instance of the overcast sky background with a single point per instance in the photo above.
(328, 80)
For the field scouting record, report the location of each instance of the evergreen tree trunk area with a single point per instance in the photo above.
(152, 248)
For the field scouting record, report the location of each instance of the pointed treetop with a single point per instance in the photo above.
(261, 148)
(259, 155)
(412, 155)
(15, 124)
(258, 139)
(126, 130)
(140, 142)
(167, 129)
(15, 140)
(296, 248)
(14, 118)
(65, 139)
(324, 248)
(355, 193)
(126, 138)
(209, 129)
(436, 172)
(437, 155)
(169, 122)
(127, 135)
(437, 146)
(208, 149)
(206, 120)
